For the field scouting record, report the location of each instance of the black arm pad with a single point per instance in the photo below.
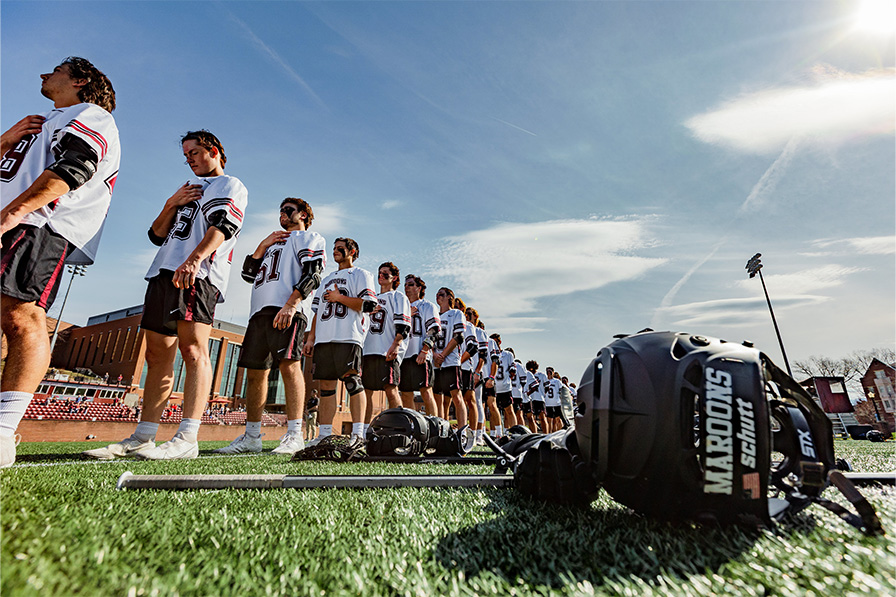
(155, 238)
(483, 354)
(310, 280)
(250, 268)
(368, 306)
(403, 329)
(471, 347)
(459, 338)
(219, 220)
(75, 161)
(431, 335)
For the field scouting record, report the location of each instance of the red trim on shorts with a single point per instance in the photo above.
(45, 295)
(8, 252)
(292, 341)
(190, 303)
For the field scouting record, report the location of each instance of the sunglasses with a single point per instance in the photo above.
(288, 210)
(386, 275)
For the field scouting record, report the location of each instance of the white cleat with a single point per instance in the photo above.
(290, 443)
(8, 449)
(242, 444)
(177, 448)
(126, 448)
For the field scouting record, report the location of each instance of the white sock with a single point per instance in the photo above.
(146, 431)
(358, 429)
(12, 409)
(253, 428)
(364, 430)
(294, 426)
(189, 429)
(500, 430)
(325, 431)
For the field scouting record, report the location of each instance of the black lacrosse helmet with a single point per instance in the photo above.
(398, 432)
(680, 426)
(406, 432)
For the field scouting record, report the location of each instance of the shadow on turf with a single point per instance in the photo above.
(544, 544)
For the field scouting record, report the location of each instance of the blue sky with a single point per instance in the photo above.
(573, 170)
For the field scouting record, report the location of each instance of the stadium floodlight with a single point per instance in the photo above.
(75, 270)
(753, 267)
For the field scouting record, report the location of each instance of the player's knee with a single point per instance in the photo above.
(353, 384)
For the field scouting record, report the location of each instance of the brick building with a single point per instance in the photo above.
(879, 384)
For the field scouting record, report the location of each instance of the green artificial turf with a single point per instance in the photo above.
(67, 531)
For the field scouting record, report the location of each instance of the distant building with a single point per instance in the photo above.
(879, 385)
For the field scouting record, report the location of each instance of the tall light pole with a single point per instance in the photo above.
(74, 269)
(754, 266)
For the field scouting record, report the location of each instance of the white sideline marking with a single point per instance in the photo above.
(124, 460)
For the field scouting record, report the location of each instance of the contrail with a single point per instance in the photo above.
(276, 58)
(758, 194)
(519, 128)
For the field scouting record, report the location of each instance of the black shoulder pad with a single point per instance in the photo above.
(76, 161)
(250, 268)
(155, 238)
(219, 220)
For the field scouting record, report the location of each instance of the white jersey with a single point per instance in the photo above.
(335, 321)
(537, 384)
(219, 194)
(516, 388)
(281, 270)
(78, 215)
(394, 310)
(426, 318)
(452, 322)
(503, 376)
(493, 353)
(526, 381)
(552, 392)
(470, 339)
(482, 347)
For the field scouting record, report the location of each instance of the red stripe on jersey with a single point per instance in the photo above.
(101, 141)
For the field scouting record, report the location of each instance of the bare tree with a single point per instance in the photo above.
(851, 368)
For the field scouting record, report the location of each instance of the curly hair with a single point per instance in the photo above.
(207, 140)
(393, 269)
(98, 89)
(350, 244)
(303, 206)
(419, 282)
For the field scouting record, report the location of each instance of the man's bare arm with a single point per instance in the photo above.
(46, 188)
(161, 226)
(30, 125)
(185, 275)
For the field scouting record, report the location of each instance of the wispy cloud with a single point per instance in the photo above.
(731, 312)
(390, 204)
(273, 55)
(839, 107)
(505, 270)
(871, 245)
(809, 280)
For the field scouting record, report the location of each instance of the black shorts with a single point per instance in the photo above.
(33, 264)
(487, 392)
(466, 380)
(447, 380)
(164, 305)
(264, 345)
(379, 373)
(332, 360)
(414, 376)
(526, 408)
(518, 404)
(537, 407)
(504, 399)
(553, 412)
